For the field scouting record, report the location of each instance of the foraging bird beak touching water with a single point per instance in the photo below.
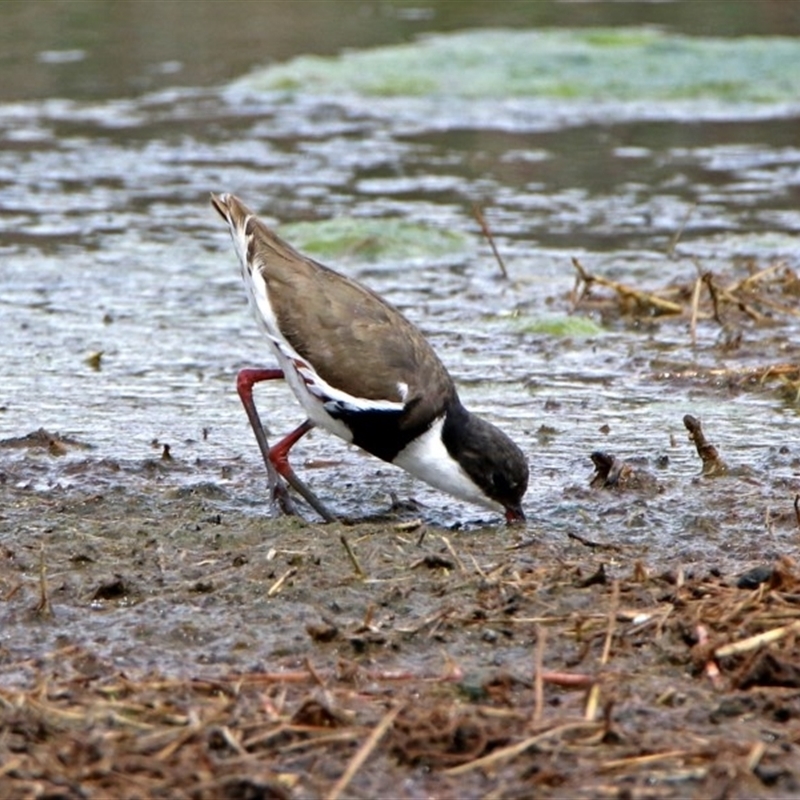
(362, 371)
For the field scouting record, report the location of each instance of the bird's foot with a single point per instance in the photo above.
(281, 499)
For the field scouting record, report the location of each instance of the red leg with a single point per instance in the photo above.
(279, 453)
(244, 386)
(276, 459)
(279, 456)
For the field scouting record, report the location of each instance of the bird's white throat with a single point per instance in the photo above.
(427, 458)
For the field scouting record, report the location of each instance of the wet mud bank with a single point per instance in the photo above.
(159, 641)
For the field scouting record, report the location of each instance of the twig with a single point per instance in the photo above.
(755, 755)
(478, 568)
(712, 463)
(230, 740)
(429, 620)
(612, 624)
(315, 676)
(315, 741)
(642, 761)
(538, 678)
(278, 585)
(453, 671)
(568, 680)
(642, 298)
(520, 747)
(698, 284)
(760, 374)
(43, 607)
(673, 242)
(195, 725)
(775, 306)
(478, 214)
(754, 642)
(797, 509)
(744, 283)
(712, 670)
(708, 280)
(593, 700)
(363, 753)
(259, 678)
(590, 543)
(453, 553)
(352, 556)
(718, 293)
(11, 765)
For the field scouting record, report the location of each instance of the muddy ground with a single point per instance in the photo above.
(158, 642)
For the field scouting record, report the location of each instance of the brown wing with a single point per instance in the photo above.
(355, 340)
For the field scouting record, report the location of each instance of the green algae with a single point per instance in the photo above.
(622, 64)
(372, 239)
(561, 326)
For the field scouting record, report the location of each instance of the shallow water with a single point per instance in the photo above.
(109, 246)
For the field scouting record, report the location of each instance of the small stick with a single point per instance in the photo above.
(278, 585)
(718, 293)
(315, 676)
(712, 463)
(410, 526)
(225, 732)
(453, 553)
(591, 543)
(363, 753)
(193, 726)
(695, 309)
(673, 242)
(744, 283)
(11, 765)
(754, 642)
(612, 623)
(14, 590)
(478, 214)
(640, 761)
(760, 374)
(478, 567)
(43, 607)
(643, 298)
(567, 680)
(366, 623)
(317, 741)
(429, 620)
(708, 280)
(680, 578)
(712, 670)
(520, 747)
(538, 677)
(541, 620)
(352, 556)
(797, 509)
(593, 700)
(774, 305)
(755, 755)
(453, 672)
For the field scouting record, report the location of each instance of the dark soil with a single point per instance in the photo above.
(158, 643)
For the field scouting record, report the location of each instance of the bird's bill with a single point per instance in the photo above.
(515, 515)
